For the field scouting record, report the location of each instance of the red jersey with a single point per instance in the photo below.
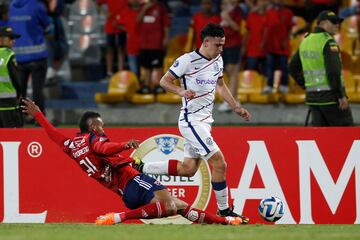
(199, 21)
(233, 38)
(152, 27)
(128, 20)
(255, 25)
(278, 26)
(114, 9)
(96, 155)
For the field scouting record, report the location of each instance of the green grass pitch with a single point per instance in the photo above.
(176, 232)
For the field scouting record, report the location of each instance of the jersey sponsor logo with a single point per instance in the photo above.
(196, 190)
(205, 82)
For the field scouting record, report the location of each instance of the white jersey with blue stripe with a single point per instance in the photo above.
(200, 74)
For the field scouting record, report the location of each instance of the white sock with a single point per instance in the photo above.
(117, 217)
(222, 198)
(156, 168)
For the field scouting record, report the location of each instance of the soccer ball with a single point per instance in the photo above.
(271, 209)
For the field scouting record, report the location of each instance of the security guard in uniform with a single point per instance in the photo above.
(317, 67)
(10, 112)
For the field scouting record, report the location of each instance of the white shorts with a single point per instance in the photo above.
(198, 140)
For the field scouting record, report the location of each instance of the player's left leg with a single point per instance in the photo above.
(218, 181)
(146, 197)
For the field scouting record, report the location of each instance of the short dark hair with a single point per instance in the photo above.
(83, 124)
(212, 30)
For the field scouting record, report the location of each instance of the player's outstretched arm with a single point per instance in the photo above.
(29, 107)
(110, 148)
(224, 91)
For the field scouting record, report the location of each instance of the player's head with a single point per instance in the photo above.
(91, 122)
(213, 40)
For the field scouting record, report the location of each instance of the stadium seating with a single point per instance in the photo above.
(351, 86)
(251, 84)
(296, 94)
(174, 50)
(169, 97)
(142, 98)
(121, 87)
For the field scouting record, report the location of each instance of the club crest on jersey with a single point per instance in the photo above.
(176, 63)
(166, 144)
(216, 67)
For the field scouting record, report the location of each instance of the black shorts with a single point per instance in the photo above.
(140, 191)
(151, 58)
(330, 115)
(116, 39)
(11, 118)
(231, 55)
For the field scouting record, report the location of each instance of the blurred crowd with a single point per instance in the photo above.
(257, 34)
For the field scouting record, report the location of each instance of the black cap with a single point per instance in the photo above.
(329, 15)
(8, 32)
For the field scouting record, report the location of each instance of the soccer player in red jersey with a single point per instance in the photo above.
(100, 159)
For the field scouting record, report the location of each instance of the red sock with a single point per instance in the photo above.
(172, 167)
(151, 210)
(200, 216)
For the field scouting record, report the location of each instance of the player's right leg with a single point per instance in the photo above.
(172, 167)
(200, 216)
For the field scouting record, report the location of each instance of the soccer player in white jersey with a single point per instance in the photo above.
(201, 74)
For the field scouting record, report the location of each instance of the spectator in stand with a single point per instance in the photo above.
(277, 43)
(254, 42)
(115, 37)
(57, 42)
(30, 20)
(350, 11)
(154, 25)
(127, 21)
(199, 21)
(246, 6)
(231, 19)
(4, 14)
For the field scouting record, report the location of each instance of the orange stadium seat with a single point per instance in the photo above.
(251, 84)
(351, 86)
(176, 47)
(347, 61)
(122, 86)
(142, 98)
(169, 97)
(299, 23)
